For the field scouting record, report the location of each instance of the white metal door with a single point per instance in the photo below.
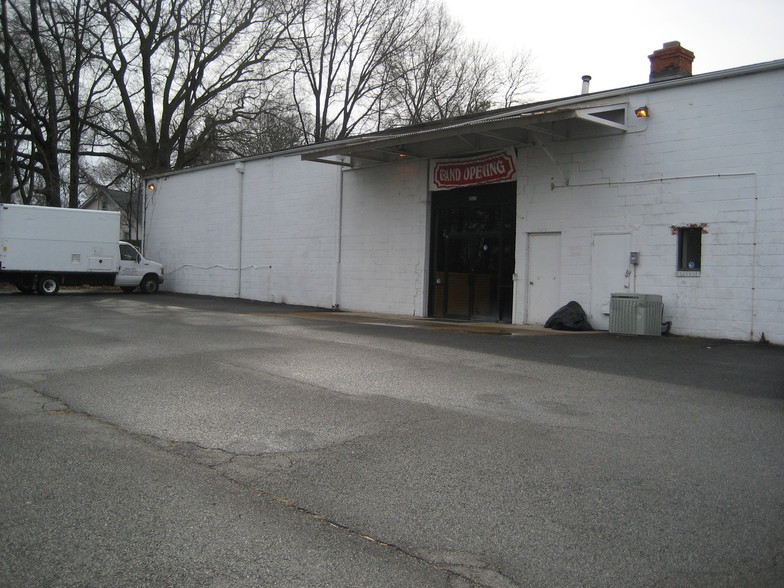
(610, 271)
(544, 276)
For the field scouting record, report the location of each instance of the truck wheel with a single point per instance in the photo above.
(149, 284)
(48, 285)
(128, 289)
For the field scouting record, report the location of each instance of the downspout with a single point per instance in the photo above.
(143, 205)
(754, 262)
(239, 167)
(147, 189)
(338, 241)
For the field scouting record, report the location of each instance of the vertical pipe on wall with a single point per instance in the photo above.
(143, 204)
(338, 241)
(430, 253)
(754, 261)
(148, 192)
(239, 167)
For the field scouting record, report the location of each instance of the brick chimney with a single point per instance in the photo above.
(670, 62)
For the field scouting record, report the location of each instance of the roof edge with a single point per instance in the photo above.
(569, 101)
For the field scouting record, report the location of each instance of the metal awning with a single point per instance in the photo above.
(482, 133)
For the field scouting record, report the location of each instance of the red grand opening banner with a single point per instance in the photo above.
(458, 173)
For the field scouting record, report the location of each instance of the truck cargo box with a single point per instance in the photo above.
(46, 239)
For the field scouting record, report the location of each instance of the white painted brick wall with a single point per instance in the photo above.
(288, 231)
(385, 234)
(713, 130)
(192, 230)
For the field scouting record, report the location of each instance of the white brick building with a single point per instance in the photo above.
(695, 190)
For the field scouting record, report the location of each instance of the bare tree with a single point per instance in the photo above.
(17, 179)
(341, 52)
(518, 78)
(442, 76)
(182, 69)
(421, 70)
(274, 128)
(11, 184)
(155, 85)
(48, 92)
(74, 36)
(31, 97)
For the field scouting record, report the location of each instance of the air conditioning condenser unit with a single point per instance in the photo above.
(636, 314)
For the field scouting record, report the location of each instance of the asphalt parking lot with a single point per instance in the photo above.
(184, 441)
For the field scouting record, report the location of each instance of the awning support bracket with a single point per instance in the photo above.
(341, 162)
(594, 115)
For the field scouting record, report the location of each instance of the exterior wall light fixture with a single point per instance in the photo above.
(642, 112)
(151, 186)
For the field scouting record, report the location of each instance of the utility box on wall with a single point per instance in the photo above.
(636, 314)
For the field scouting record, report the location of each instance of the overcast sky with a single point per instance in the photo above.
(610, 40)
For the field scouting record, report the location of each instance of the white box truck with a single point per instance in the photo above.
(43, 248)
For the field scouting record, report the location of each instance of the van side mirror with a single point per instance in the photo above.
(138, 258)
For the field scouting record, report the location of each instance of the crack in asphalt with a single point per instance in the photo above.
(464, 566)
(465, 569)
(468, 568)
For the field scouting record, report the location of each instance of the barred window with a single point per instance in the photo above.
(689, 249)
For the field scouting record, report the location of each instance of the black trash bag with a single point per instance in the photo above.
(570, 317)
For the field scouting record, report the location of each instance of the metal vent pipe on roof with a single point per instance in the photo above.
(586, 84)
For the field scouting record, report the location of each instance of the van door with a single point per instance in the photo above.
(130, 271)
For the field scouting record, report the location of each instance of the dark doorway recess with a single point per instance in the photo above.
(472, 253)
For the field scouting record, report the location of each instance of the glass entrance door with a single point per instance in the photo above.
(473, 253)
(470, 276)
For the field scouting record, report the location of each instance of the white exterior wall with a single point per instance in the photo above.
(385, 239)
(709, 153)
(191, 228)
(288, 231)
(290, 222)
